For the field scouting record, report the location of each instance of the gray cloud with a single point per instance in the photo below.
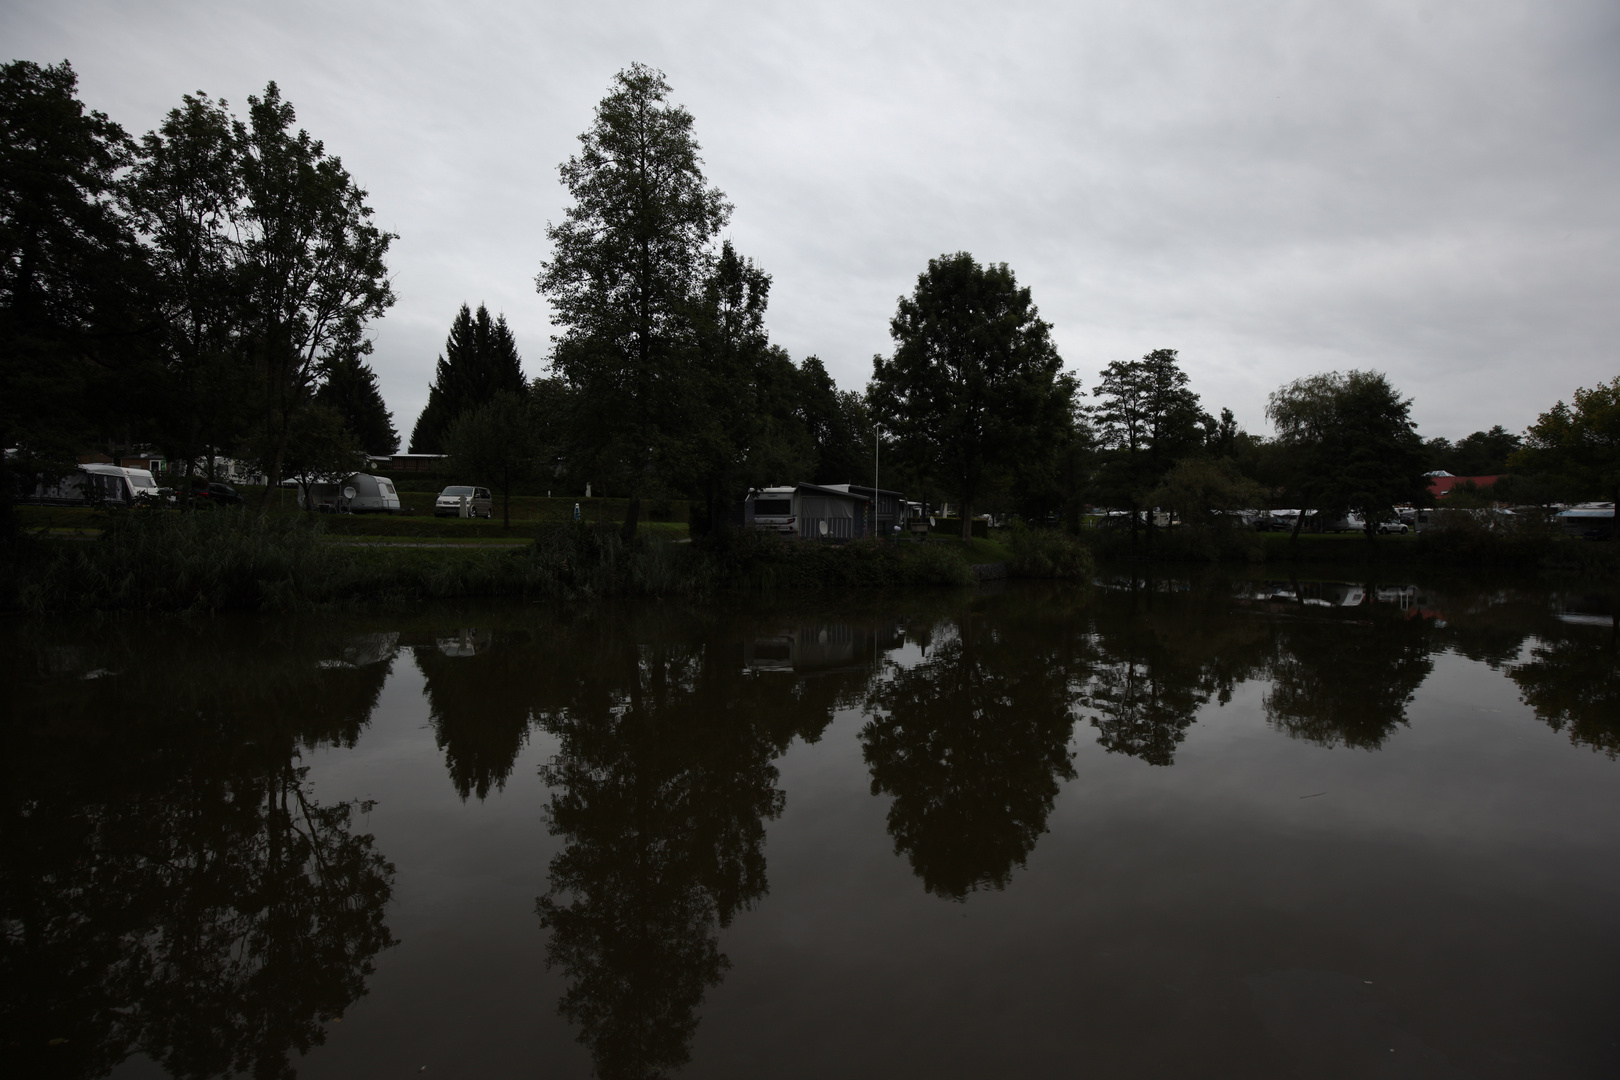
(1273, 187)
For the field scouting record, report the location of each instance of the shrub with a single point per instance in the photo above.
(1048, 553)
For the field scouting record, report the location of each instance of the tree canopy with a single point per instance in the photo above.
(1354, 447)
(68, 263)
(1147, 419)
(625, 280)
(975, 383)
(480, 360)
(1579, 444)
(312, 264)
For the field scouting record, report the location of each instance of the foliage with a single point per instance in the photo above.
(837, 423)
(312, 263)
(1207, 492)
(1049, 553)
(480, 360)
(496, 443)
(1578, 445)
(318, 449)
(349, 386)
(1468, 537)
(67, 257)
(1147, 420)
(1354, 448)
(1483, 453)
(628, 265)
(744, 431)
(184, 196)
(975, 385)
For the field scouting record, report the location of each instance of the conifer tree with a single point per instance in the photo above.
(349, 386)
(480, 360)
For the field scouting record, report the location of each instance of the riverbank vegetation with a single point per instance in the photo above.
(248, 562)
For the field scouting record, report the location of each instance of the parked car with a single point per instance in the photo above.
(448, 504)
(1394, 527)
(213, 493)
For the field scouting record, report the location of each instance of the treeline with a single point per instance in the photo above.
(203, 290)
(663, 382)
(206, 290)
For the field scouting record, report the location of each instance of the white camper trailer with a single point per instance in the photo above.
(358, 493)
(97, 485)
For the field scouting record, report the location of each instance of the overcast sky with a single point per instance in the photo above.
(1273, 187)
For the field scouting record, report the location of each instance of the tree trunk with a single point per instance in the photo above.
(967, 521)
(506, 507)
(1614, 514)
(1299, 519)
(628, 532)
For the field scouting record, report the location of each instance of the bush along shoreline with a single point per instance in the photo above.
(243, 562)
(1459, 544)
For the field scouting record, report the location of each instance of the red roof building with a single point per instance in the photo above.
(1440, 486)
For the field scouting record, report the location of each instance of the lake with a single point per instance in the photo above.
(1163, 827)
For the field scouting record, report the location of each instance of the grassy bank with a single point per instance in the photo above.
(245, 562)
(528, 514)
(1465, 546)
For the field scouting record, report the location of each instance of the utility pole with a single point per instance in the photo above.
(874, 477)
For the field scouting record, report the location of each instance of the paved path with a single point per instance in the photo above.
(497, 545)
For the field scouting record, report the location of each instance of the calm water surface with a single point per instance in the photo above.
(1161, 828)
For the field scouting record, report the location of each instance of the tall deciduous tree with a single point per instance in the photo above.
(66, 259)
(480, 360)
(185, 196)
(1579, 445)
(975, 382)
(1354, 447)
(628, 264)
(1149, 419)
(312, 262)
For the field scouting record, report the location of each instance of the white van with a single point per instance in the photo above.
(480, 502)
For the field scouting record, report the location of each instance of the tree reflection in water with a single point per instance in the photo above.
(167, 884)
(479, 686)
(1572, 681)
(663, 782)
(973, 741)
(1339, 683)
(1163, 653)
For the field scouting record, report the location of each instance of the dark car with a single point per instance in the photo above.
(213, 493)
